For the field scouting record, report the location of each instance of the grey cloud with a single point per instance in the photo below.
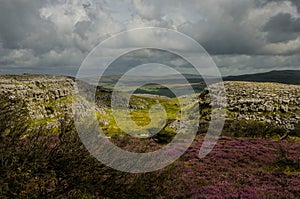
(238, 29)
(60, 33)
(82, 27)
(282, 27)
(296, 3)
(49, 33)
(223, 38)
(18, 19)
(238, 64)
(145, 56)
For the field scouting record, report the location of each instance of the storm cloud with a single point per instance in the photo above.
(241, 36)
(282, 28)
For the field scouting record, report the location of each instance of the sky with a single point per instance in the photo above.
(241, 36)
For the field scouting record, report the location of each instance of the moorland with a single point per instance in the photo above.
(256, 156)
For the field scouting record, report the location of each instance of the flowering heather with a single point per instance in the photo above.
(43, 165)
(59, 166)
(243, 167)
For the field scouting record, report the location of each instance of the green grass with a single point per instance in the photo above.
(140, 117)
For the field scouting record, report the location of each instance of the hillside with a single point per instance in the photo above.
(283, 76)
(48, 100)
(42, 156)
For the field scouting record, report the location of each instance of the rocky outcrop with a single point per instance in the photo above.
(47, 98)
(277, 104)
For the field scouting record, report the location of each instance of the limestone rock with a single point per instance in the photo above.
(269, 102)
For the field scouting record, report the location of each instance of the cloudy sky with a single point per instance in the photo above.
(242, 36)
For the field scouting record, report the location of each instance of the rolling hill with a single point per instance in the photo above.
(282, 76)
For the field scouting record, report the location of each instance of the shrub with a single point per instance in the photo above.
(251, 128)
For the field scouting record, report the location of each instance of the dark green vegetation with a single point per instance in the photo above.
(252, 159)
(174, 82)
(155, 89)
(41, 164)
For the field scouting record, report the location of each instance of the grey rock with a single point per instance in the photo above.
(261, 102)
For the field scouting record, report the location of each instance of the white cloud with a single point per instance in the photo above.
(282, 47)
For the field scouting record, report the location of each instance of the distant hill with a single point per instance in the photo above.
(284, 76)
(277, 76)
(196, 81)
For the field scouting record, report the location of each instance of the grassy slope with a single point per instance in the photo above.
(141, 116)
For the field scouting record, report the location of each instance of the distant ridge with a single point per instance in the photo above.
(282, 76)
